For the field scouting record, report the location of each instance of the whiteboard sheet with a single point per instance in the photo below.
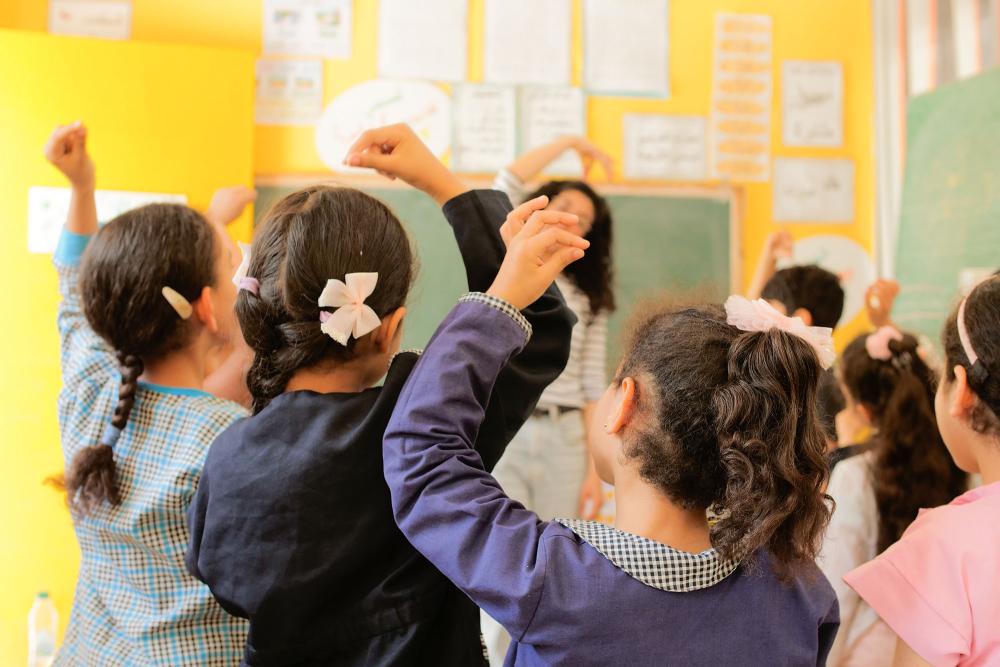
(625, 47)
(665, 147)
(48, 208)
(422, 40)
(527, 42)
(485, 120)
(549, 113)
(812, 102)
(289, 92)
(319, 28)
(808, 190)
(741, 98)
(110, 19)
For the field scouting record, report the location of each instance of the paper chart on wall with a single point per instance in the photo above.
(422, 40)
(812, 102)
(809, 190)
(665, 147)
(625, 47)
(548, 113)
(485, 127)
(48, 208)
(319, 28)
(289, 92)
(421, 105)
(741, 98)
(111, 19)
(527, 42)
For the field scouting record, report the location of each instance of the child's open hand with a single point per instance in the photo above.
(779, 244)
(395, 151)
(539, 247)
(228, 203)
(66, 149)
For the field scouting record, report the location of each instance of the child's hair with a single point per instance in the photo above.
(810, 287)
(594, 274)
(307, 238)
(982, 322)
(124, 270)
(912, 468)
(726, 420)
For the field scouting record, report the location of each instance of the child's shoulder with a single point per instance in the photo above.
(209, 416)
(968, 520)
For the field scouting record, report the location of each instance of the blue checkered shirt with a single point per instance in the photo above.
(135, 604)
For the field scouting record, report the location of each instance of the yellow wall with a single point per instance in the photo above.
(162, 118)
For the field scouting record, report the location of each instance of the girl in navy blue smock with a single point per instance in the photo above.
(710, 410)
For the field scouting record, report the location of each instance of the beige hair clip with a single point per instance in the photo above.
(177, 302)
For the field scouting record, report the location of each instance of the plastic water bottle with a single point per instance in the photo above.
(43, 626)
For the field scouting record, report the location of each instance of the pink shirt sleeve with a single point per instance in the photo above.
(918, 587)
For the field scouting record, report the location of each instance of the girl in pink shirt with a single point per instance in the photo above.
(938, 588)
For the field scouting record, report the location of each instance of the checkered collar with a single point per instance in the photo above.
(652, 563)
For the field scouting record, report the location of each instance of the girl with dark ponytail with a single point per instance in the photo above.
(936, 586)
(146, 306)
(879, 489)
(712, 413)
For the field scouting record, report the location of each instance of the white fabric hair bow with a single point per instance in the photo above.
(353, 316)
(759, 315)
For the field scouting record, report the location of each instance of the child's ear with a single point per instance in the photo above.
(807, 317)
(392, 326)
(624, 407)
(204, 310)
(962, 397)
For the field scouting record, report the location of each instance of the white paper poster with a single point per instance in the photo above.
(671, 148)
(625, 47)
(843, 257)
(741, 98)
(48, 208)
(289, 92)
(318, 28)
(485, 118)
(548, 114)
(812, 102)
(808, 190)
(111, 19)
(527, 42)
(422, 40)
(421, 105)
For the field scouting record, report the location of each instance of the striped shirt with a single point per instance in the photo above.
(585, 377)
(135, 604)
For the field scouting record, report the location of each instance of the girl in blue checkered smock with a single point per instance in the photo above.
(140, 321)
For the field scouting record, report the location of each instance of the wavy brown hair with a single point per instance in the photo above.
(124, 269)
(727, 421)
(912, 468)
(307, 238)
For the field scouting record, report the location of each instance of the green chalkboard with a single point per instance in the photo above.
(662, 244)
(950, 213)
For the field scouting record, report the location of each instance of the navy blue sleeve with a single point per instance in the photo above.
(446, 504)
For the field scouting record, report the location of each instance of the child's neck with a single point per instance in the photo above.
(344, 378)
(645, 511)
(988, 461)
(184, 369)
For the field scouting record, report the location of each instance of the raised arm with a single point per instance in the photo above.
(530, 164)
(778, 245)
(445, 503)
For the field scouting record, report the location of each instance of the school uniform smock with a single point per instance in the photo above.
(573, 592)
(135, 603)
(937, 586)
(292, 526)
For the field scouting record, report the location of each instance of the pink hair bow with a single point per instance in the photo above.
(353, 316)
(240, 278)
(877, 344)
(759, 315)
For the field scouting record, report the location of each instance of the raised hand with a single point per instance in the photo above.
(228, 203)
(779, 245)
(879, 298)
(66, 149)
(589, 154)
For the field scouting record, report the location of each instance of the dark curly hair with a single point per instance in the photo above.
(594, 274)
(124, 269)
(809, 287)
(727, 421)
(307, 238)
(982, 321)
(912, 468)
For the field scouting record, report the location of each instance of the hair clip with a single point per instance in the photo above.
(759, 316)
(177, 301)
(877, 344)
(353, 316)
(240, 278)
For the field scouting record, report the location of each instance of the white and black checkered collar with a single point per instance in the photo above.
(652, 563)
